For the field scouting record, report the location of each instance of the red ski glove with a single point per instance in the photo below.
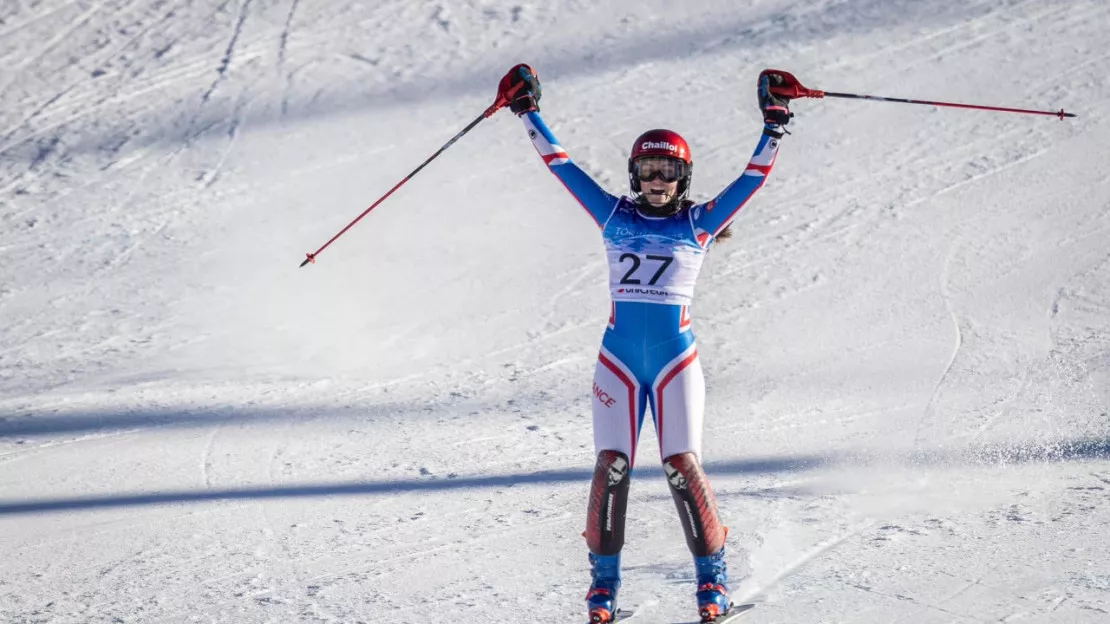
(520, 90)
(773, 92)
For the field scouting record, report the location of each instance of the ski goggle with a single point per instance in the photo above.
(650, 167)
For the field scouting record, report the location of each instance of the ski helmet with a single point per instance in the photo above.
(666, 143)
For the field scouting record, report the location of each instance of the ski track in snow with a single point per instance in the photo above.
(59, 36)
(285, 32)
(206, 457)
(755, 594)
(930, 407)
(225, 62)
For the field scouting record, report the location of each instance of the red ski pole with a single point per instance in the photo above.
(794, 89)
(501, 101)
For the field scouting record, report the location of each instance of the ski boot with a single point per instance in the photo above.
(713, 602)
(601, 600)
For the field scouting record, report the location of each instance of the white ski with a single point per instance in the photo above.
(734, 614)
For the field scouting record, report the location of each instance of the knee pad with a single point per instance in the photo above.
(697, 507)
(608, 503)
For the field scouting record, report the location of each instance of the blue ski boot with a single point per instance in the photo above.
(712, 593)
(601, 600)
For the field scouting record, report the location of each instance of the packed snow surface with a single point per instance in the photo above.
(906, 342)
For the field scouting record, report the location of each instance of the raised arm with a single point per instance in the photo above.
(521, 87)
(593, 198)
(716, 215)
(721, 210)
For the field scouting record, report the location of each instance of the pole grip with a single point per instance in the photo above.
(792, 88)
(502, 100)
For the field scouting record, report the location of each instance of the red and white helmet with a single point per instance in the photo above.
(667, 143)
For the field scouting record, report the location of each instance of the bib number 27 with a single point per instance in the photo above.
(665, 261)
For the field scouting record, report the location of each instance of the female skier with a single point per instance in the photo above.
(655, 240)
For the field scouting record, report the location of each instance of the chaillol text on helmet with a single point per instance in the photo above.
(653, 145)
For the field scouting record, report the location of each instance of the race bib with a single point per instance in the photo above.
(656, 260)
(656, 273)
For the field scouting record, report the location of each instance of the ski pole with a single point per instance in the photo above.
(501, 101)
(794, 89)
(1060, 113)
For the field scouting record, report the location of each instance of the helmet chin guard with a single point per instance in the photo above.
(668, 144)
(673, 207)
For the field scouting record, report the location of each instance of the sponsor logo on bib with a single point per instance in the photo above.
(644, 291)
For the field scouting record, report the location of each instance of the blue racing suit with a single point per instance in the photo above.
(648, 354)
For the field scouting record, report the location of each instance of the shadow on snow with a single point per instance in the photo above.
(573, 475)
(110, 421)
(1065, 450)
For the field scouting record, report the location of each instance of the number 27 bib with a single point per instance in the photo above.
(651, 260)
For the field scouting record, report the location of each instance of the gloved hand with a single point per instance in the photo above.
(521, 89)
(775, 107)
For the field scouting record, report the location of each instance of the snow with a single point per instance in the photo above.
(906, 343)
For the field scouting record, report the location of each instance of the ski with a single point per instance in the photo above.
(734, 614)
(621, 615)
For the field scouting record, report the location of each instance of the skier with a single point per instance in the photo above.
(656, 240)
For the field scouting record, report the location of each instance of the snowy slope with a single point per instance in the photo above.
(906, 342)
